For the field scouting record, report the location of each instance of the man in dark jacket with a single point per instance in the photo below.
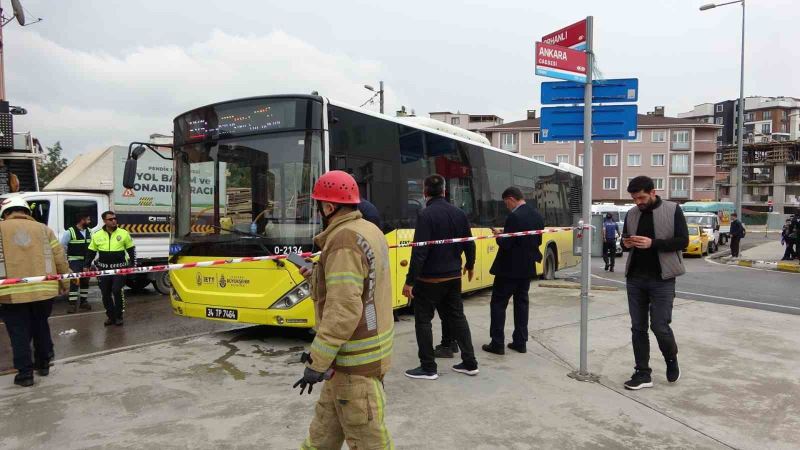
(513, 269)
(737, 233)
(370, 213)
(434, 279)
(610, 233)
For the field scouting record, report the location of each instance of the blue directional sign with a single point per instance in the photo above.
(623, 90)
(565, 123)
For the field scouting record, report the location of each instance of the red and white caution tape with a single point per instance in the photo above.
(219, 262)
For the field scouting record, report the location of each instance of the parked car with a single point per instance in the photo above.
(698, 241)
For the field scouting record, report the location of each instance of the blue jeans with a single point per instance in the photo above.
(651, 298)
(26, 322)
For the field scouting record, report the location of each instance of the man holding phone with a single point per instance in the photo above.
(655, 233)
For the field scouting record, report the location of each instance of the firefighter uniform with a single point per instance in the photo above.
(76, 244)
(115, 250)
(28, 248)
(351, 288)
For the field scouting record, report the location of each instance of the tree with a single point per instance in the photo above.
(52, 165)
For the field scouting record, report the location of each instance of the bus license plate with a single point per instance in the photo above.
(222, 313)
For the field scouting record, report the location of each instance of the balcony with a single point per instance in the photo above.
(750, 198)
(793, 199)
(679, 193)
(705, 170)
(679, 145)
(679, 170)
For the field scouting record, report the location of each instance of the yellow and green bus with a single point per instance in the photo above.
(244, 170)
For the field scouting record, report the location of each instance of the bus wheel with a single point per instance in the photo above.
(137, 283)
(549, 270)
(162, 283)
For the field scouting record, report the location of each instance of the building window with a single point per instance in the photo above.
(766, 115)
(719, 133)
(681, 136)
(561, 142)
(455, 121)
(679, 187)
(765, 139)
(638, 137)
(749, 117)
(634, 160)
(580, 160)
(680, 164)
(718, 120)
(610, 160)
(508, 141)
(657, 160)
(766, 128)
(658, 136)
(610, 141)
(610, 184)
(537, 138)
(659, 183)
(539, 158)
(719, 107)
(719, 156)
(562, 158)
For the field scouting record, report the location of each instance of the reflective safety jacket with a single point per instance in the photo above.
(78, 245)
(115, 249)
(29, 249)
(352, 292)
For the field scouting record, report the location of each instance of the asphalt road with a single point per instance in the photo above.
(709, 281)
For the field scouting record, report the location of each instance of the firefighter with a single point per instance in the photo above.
(351, 288)
(75, 241)
(116, 250)
(28, 248)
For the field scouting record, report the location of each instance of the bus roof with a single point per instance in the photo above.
(708, 206)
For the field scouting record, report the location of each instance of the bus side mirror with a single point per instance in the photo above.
(129, 177)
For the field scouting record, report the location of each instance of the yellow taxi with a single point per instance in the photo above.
(698, 241)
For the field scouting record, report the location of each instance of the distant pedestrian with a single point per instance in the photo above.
(737, 233)
(75, 241)
(434, 279)
(513, 269)
(610, 234)
(28, 248)
(370, 213)
(788, 239)
(116, 250)
(794, 229)
(655, 232)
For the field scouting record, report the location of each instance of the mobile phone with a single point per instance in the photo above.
(299, 261)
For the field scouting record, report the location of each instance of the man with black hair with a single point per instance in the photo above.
(116, 250)
(655, 233)
(737, 233)
(434, 279)
(75, 241)
(513, 269)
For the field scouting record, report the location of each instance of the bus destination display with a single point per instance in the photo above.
(241, 119)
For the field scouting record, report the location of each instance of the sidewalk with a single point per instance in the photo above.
(739, 389)
(764, 256)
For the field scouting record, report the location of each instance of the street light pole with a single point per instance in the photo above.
(740, 115)
(379, 93)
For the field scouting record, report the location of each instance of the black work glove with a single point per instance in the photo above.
(310, 376)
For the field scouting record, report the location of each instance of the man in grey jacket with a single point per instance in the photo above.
(655, 234)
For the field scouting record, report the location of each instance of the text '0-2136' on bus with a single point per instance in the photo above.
(244, 171)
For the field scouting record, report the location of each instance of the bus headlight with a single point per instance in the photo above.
(301, 292)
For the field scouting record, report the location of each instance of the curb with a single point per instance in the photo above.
(768, 265)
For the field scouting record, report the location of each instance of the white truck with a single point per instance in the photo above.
(93, 183)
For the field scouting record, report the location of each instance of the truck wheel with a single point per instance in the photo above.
(137, 283)
(162, 283)
(549, 269)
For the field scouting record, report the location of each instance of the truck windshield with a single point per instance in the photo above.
(247, 196)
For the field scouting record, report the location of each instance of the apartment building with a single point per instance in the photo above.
(471, 122)
(679, 154)
(771, 173)
(766, 119)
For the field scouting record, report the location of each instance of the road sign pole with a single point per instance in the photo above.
(586, 247)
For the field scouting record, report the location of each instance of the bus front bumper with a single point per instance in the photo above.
(300, 315)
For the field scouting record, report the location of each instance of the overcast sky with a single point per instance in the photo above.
(101, 72)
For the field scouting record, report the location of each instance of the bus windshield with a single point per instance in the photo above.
(248, 195)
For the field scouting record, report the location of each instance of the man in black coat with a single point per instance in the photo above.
(513, 269)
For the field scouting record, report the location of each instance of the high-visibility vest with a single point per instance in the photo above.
(76, 249)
